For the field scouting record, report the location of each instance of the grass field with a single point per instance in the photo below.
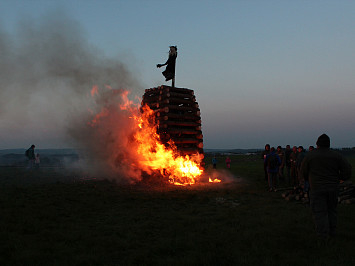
(52, 217)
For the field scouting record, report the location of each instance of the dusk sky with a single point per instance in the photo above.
(277, 72)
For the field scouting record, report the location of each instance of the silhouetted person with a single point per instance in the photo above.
(300, 156)
(214, 162)
(263, 156)
(272, 161)
(169, 72)
(228, 162)
(281, 154)
(288, 152)
(324, 169)
(30, 154)
(293, 162)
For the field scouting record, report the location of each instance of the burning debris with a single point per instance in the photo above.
(151, 139)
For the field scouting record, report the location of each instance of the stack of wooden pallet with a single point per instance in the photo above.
(178, 117)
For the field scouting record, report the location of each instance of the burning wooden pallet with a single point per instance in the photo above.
(178, 117)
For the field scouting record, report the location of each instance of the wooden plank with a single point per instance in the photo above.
(166, 120)
(181, 108)
(167, 116)
(190, 150)
(178, 123)
(172, 105)
(154, 98)
(175, 89)
(177, 95)
(176, 101)
(182, 131)
(185, 140)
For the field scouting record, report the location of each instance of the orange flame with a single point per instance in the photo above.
(94, 90)
(180, 170)
(216, 180)
(151, 154)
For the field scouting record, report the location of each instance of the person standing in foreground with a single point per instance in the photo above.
(324, 169)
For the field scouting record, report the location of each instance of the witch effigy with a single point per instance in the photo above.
(176, 111)
(169, 72)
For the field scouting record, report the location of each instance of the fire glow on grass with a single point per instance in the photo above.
(152, 155)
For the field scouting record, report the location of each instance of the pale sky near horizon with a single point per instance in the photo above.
(277, 72)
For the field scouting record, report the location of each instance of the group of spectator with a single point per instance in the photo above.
(318, 172)
(228, 162)
(279, 159)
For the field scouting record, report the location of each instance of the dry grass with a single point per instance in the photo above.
(51, 218)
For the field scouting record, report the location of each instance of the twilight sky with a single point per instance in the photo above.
(278, 72)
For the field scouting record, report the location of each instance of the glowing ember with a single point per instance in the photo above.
(216, 180)
(150, 154)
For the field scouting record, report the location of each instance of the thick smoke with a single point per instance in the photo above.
(47, 70)
(106, 135)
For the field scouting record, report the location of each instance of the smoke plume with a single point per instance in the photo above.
(47, 70)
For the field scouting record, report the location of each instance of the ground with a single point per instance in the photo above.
(54, 217)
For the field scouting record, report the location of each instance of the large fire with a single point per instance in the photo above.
(151, 154)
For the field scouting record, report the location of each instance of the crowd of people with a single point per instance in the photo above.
(278, 161)
(318, 172)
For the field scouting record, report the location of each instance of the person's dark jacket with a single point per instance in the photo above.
(268, 158)
(169, 72)
(293, 159)
(287, 157)
(31, 153)
(300, 156)
(324, 169)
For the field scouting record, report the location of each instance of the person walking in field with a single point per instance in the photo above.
(228, 162)
(30, 154)
(324, 169)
